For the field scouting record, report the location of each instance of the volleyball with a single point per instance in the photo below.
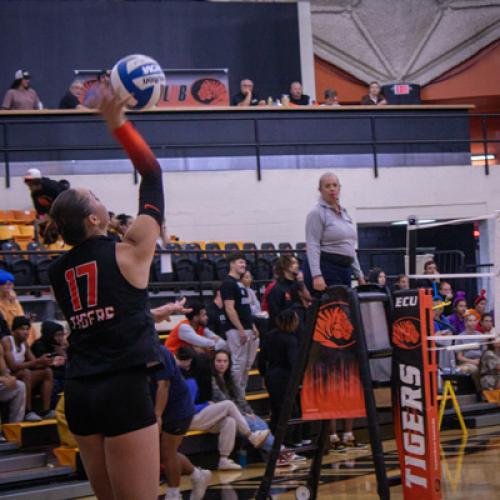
(139, 77)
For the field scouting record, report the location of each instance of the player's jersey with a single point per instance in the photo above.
(111, 327)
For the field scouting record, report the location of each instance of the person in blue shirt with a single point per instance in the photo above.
(174, 411)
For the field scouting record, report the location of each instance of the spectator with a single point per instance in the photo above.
(247, 95)
(374, 96)
(53, 342)
(487, 323)
(222, 418)
(296, 95)
(402, 283)
(242, 336)
(193, 332)
(217, 320)
(4, 327)
(43, 191)
(174, 410)
(12, 391)
(468, 359)
(94, 94)
(30, 370)
(263, 304)
(21, 95)
(457, 318)
(331, 98)
(377, 276)
(442, 326)
(72, 98)
(446, 292)
(124, 223)
(489, 367)
(480, 305)
(10, 307)
(247, 280)
(430, 268)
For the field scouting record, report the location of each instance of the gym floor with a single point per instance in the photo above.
(469, 470)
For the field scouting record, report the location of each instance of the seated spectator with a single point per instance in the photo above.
(30, 370)
(53, 342)
(72, 98)
(124, 222)
(247, 96)
(94, 94)
(247, 280)
(221, 418)
(374, 96)
(217, 320)
(489, 367)
(446, 292)
(430, 267)
(4, 327)
(12, 391)
(112, 229)
(487, 323)
(193, 332)
(480, 305)
(174, 410)
(442, 326)
(10, 307)
(377, 276)
(402, 283)
(296, 95)
(468, 359)
(331, 98)
(457, 318)
(21, 95)
(224, 388)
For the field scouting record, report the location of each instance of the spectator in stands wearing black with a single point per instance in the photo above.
(43, 191)
(174, 410)
(53, 342)
(72, 98)
(221, 418)
(12, 391)
(331, 240)
(30, 370)
(247, 96)
(242, 336)
(377, 276)
(402, 283)
(430, 268)
(468, 360)
(101, 87)
(113, 340)
(446, 293)
(457, 318)
(374, 96)
(296, 95)
(331, 98)
(21, 96)
(217, 320)
(124, 223)
(489, 367)
(193, 332)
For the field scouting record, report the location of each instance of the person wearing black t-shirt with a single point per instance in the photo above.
(101, 287)
(217, 319)
(71, 100)
(296, 95)
(242, 336)
(247, 96)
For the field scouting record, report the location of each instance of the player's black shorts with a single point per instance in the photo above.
(110, 404)
(176, 427)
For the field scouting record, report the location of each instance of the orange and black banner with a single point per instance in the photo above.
(414, 373)
(331, 387)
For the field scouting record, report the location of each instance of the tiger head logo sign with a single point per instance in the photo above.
(406, 333)
(333, 327)
(209, 91)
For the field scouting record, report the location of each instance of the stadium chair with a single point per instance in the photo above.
(21, 268)
(185, 269)
(192, 256)
(10, 246)
(285, 249)
(9, 232)
(263, 269)
(249, 256)
(300, 248)
(40, 263)
(7, 217)
(24, 216)
(231, 247)
(269, 251)
(221, 268)
(212, 245)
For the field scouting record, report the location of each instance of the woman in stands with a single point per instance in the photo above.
(489, 367)
(101, 287)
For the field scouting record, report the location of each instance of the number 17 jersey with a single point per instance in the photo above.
(111, 328)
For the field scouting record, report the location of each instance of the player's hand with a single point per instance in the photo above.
(243, 337)
(10, 382)
(111, 108)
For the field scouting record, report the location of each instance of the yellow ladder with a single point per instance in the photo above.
(449, 393)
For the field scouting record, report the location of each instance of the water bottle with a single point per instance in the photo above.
(242, 457)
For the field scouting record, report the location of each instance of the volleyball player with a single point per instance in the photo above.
(101, 287)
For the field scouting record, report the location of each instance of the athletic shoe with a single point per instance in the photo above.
(297, 458)
(356, 445)
(337, 447)
(31, 416)
(258, 438)
(228, 464)
(306, 442)
(173, 494)
(199, 481)
(49, 414)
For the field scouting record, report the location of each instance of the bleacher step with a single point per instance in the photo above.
(7, 447)
(34, 474)
(475, 408)
(57, 491)
(20, 461)
(478, 421)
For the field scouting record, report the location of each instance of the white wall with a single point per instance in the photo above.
(233, 205)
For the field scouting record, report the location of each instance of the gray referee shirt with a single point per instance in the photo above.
(329, 232)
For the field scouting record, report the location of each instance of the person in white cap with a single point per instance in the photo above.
(21, 95)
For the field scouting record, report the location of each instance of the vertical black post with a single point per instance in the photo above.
(136, 177)
(383, 487)
(374, 146)
(484, 129)
(257, 149)
(411, 248)
(6, 155)
(286, 409)
(315, 472)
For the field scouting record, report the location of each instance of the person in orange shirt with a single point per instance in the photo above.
(193, 332)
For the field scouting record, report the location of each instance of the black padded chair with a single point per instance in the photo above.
(285, 248)
(21, 268)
